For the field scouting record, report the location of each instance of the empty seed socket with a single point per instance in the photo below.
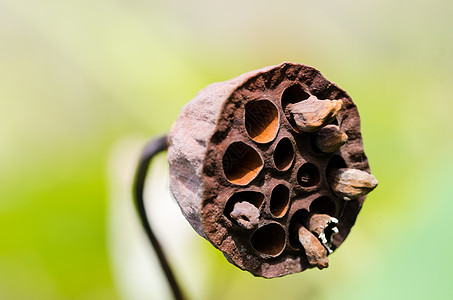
(284, 154)
(323, 205)
(261, 120)
(241, 163)
(279, 202)
(308, 175)
(269, 240)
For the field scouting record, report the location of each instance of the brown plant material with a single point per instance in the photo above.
(312, 114)
(324, 227)
(243, 143)
(245, 214)
(314, 250)
(351, 184)
(330, 138)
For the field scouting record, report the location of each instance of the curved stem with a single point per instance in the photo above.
(154, 147)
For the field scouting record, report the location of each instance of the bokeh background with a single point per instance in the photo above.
(77, 78)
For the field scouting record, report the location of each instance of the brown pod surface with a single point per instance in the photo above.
(237, 142)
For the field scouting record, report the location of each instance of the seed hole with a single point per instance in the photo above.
(323, 205)
(255, 198)
(261, 120)
(269, 239)
(313, 144)
(284, 154)
(308, 175)
(299, 218)
(279, 201)
(241, 163)
(335, 163)
(292, 95)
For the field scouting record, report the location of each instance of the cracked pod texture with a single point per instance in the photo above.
(247, 178)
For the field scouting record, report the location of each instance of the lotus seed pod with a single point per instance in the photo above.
(247, 174)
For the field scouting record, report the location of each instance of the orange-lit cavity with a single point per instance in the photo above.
(261, 120)
(279, 200)
(284, 154)
(241, 163)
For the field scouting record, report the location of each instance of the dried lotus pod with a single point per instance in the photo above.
(248, 176)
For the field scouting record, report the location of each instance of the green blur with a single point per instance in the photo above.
(77, 76)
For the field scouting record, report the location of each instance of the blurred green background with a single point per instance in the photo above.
(77, 76)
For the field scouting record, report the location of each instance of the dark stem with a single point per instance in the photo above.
(154, 147)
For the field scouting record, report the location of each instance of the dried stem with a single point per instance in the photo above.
(154, 147)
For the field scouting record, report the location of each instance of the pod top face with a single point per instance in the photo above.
(270, 168)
